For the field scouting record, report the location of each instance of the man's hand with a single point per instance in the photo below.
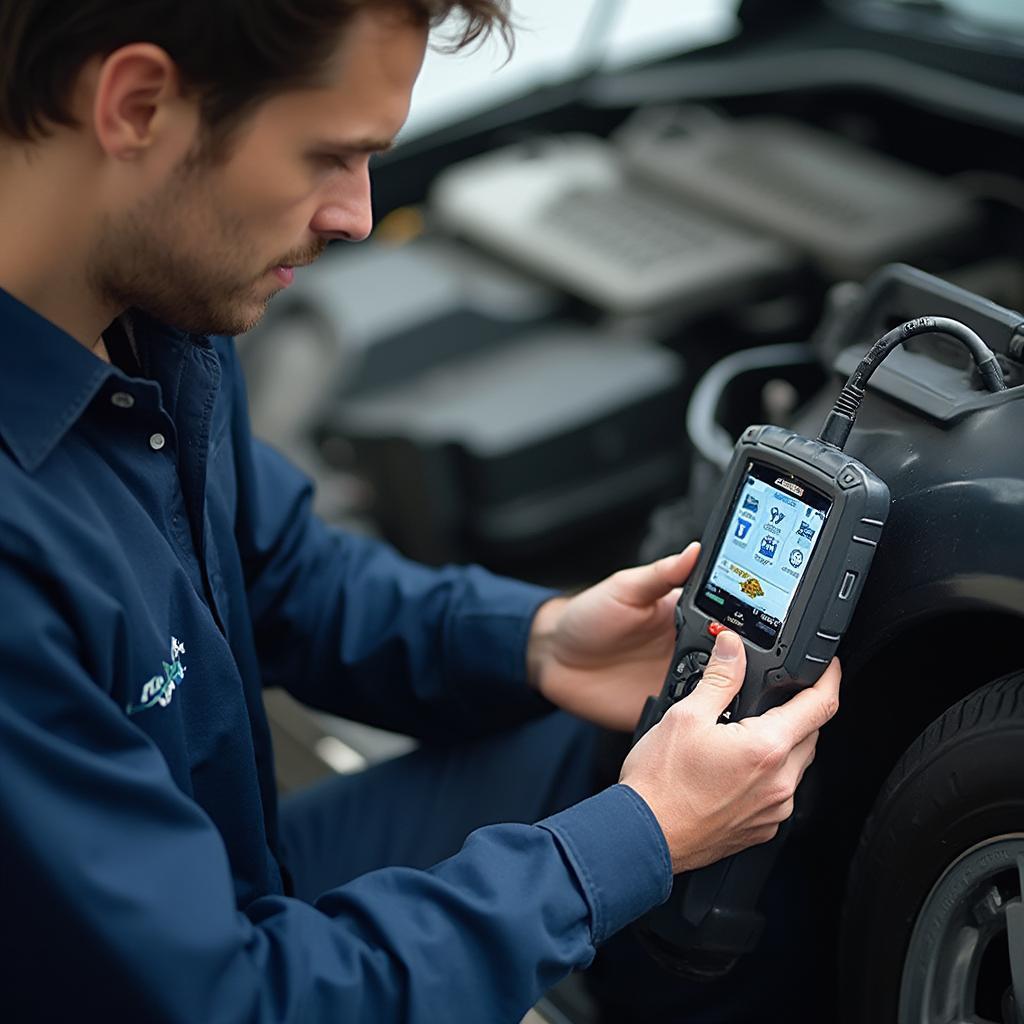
(717, 789)
(601, 653)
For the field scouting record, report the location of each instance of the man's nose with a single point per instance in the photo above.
(347, 211)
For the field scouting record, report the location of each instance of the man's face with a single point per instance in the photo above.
(209, 246)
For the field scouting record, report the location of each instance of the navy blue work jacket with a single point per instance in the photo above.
(158, 567)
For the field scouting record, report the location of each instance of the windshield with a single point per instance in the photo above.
(556, 41)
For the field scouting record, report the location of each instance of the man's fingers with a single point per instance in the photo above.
(722, 678)
(644, 584)
(810, 709)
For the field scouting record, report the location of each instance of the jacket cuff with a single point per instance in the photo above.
(491, 630)
(617, 849)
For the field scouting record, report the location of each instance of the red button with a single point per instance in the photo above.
(714, 628)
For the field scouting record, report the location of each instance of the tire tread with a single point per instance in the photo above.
(994, 701)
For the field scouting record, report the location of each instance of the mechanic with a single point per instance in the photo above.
(164, 167)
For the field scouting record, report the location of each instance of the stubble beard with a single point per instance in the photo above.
(179, 257)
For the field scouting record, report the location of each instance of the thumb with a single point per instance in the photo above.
(723, 676)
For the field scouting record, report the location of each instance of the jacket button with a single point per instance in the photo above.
(157, 441)
(122, 399)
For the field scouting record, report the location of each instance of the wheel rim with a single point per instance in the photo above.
(965, 960)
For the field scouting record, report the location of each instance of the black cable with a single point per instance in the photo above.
(840, 420)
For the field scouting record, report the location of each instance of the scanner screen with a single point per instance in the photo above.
(763, 553)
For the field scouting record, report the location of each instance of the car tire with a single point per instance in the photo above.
(933, 927)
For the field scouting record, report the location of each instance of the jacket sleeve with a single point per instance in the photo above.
(118, 900)
(348, 625)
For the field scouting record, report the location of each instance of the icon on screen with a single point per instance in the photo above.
(752, 588)
(819, 513)
(796, 558)
(750, 503)
(807, 512)
(805, 531)
(769, 545)
(750, 481)
(742, 528)
(777, 516)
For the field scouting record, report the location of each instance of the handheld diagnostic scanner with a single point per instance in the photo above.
(782, 563)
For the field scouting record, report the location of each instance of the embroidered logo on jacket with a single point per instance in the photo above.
(160, 689)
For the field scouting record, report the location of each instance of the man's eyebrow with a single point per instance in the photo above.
(356, 145)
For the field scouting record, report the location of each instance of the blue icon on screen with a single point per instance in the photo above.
(803, 530)
(777, 516)
(742, 528)
(769, 546)
(750, 503)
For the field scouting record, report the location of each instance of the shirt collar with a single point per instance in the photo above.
(47, 378)
(46, 381)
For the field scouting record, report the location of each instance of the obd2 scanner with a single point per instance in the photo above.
(783, 561)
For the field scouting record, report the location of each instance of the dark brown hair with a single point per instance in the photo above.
(232, 53)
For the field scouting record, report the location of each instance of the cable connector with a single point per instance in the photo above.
(992, 374)
(840, 420)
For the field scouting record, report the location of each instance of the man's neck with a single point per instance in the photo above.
(45, 245)
(100, 350)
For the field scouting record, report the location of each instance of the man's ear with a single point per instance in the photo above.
(137, 89)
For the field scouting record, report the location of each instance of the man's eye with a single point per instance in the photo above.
(333, 161)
